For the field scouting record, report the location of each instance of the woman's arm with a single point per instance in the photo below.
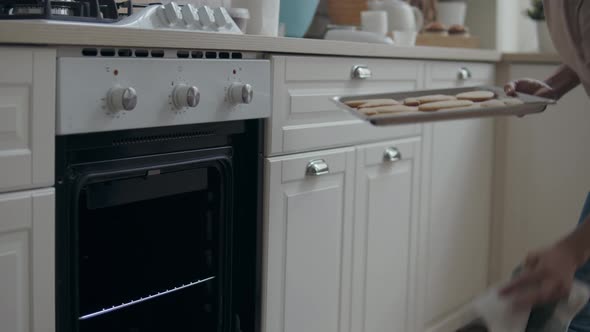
(548, 275)
(563, 81)
(555, 86)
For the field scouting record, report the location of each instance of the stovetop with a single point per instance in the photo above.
(106, 11)
(125, 14)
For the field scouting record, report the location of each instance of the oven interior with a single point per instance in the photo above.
(159, 241)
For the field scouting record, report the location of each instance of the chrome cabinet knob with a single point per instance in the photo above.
(464, 74)
(392, 155)
(317, 168)
(122, 99)
(361, 72)
(185, 96)
(241, 93)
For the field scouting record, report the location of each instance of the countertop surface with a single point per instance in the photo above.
(57, 33)
(531, 57)
(41, 32)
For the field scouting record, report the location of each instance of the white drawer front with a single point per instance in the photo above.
(27, 118)
(304, 116)
(458, 74)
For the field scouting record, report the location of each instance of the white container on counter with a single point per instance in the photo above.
(264, 16)
(452, 12)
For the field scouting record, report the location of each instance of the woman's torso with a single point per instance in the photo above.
(569, 25)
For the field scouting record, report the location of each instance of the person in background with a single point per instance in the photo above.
(549, 273)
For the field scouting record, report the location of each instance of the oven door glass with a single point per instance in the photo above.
(153, 248)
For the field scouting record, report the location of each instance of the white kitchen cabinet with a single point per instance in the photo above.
(457, 205)
(304, 117)
(27, 301)
(307, 242)
(27, 117)
(385, 236)
(543, 172)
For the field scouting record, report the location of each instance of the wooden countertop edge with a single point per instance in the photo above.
(39, 32)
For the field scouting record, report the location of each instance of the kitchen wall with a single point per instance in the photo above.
(502, 25)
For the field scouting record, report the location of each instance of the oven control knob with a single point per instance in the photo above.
(206, 16)
(186, 96)
(241, 93)
(170, 13)
(122, 99)
(222, 17)
(188, 15)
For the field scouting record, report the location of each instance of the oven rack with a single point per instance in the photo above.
(143, 299)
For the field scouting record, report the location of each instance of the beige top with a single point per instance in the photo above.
(569, 25)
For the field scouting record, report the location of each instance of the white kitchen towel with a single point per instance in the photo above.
(499, 316)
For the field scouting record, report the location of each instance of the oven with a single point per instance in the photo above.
(159, 209)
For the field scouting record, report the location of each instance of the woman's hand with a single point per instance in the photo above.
(531, 87)
(547, 276)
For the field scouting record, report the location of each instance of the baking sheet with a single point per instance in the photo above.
(532, 105)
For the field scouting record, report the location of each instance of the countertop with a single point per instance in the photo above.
(41, 32)
(531, 58)
(57, 33)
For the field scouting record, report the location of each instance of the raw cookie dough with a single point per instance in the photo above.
(371, 103)
(416, 101)
(445, 104)
(389, 109)
(476, 96)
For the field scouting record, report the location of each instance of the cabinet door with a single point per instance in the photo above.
(457, 206)
(27, 118)
(385, 229)
(307, 243)
(27, 261)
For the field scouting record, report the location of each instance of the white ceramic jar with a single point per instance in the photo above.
(264, 16)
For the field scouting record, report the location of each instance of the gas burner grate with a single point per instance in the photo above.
(104, 11)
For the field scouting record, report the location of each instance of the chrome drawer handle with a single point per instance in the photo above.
(361, 72)
(317, 168)
(392, 155)
(464, 74)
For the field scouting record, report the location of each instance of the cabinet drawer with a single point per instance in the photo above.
(27, 118)
(324, 69)
(295, 167)
(304, 116)
(441, 74)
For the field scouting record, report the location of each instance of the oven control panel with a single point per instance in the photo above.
(102, 94)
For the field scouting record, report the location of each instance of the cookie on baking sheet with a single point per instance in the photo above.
(492, 103)
(364, 103)
(390, 109)
(511, 101)
(476, 96)
(368, 111)
(416, 101)
(379, 102)
(430, 107)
